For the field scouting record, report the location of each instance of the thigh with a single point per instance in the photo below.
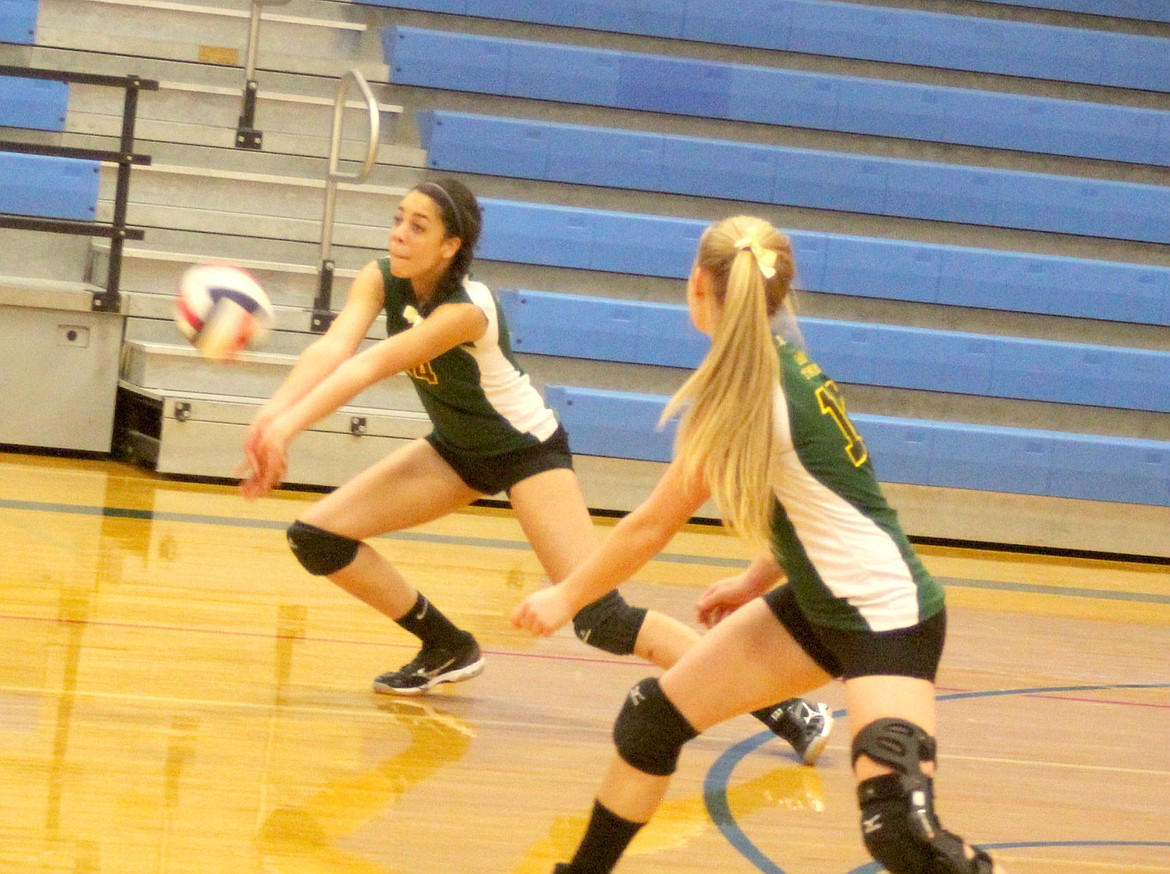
(750, 658)
(553, 515)
(410, 486)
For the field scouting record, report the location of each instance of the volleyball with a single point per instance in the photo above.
(222, 310)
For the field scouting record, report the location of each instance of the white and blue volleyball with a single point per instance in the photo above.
(222, 310)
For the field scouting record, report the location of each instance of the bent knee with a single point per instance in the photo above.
(610, 624)
(321, 552)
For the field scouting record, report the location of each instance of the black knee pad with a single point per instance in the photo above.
(610, 624)
(895, 743)
(321, 552)
(898, 822)
(649, 731)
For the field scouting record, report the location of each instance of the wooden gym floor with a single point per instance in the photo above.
(177, 695)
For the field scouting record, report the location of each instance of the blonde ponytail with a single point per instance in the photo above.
(725, 434)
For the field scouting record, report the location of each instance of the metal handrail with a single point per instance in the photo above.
(247, 136)
(322, 309)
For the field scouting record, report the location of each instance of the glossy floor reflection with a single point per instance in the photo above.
(177, 695)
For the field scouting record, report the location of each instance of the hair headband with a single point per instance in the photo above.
(445, 197)
(765, 258)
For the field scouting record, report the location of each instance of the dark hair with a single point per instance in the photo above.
(461, 217)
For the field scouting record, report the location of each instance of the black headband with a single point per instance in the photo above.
(444, 197)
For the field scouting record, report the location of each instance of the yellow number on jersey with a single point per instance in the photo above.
(833, 404)
(425, 373)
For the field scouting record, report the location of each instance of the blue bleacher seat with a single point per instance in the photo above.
(634, 332)
(918, 452)
(852, 104)
(648, 245)
(950, 41)
(851, 30)
(18, 21)
(36, 185)
(612, 424)
(635, 160)
(36, 104)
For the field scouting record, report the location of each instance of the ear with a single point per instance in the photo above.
(702, 282)
(450, 247)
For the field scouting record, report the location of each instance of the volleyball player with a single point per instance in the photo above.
(765, 432)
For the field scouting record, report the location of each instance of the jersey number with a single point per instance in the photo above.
(833, 404)
(425, 373)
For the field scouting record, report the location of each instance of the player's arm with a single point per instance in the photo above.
(634, 541)
(450, 325)
(325, 354)
(262, 468)
(729, 594)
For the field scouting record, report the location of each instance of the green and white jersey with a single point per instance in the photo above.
(478, 398)
(848, 561)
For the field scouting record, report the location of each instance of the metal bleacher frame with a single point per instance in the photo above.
(72, 331)
(668, 70)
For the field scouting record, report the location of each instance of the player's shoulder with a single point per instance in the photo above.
(475, 291)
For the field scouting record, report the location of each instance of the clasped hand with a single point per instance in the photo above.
(724, 597)
(543, 612)
(265, 457)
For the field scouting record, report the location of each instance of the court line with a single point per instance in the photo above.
(718, 777)
(378, 707)
(502, 543)
(297, 636)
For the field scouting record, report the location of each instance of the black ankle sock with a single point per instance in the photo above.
(605, 840)
(789, 731)
(428, 624)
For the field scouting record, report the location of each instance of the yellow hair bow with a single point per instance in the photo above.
(765, 258)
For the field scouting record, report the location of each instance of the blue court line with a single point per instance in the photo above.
(241, 522)
(463, 540)
(718, 777)
(1063, 591)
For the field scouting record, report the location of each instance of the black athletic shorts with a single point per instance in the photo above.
(844, 653)
(498, 473)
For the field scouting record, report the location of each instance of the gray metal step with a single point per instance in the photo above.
(278, 196)
(202, 434)
(38, 255)
(168, 368)
(250, 204)
(85, 60)
(150, 320)
(256, 225)
(157, 272)
(192, 32)
(208, 115)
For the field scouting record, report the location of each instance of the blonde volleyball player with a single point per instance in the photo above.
(492, 433)
(765, 432)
